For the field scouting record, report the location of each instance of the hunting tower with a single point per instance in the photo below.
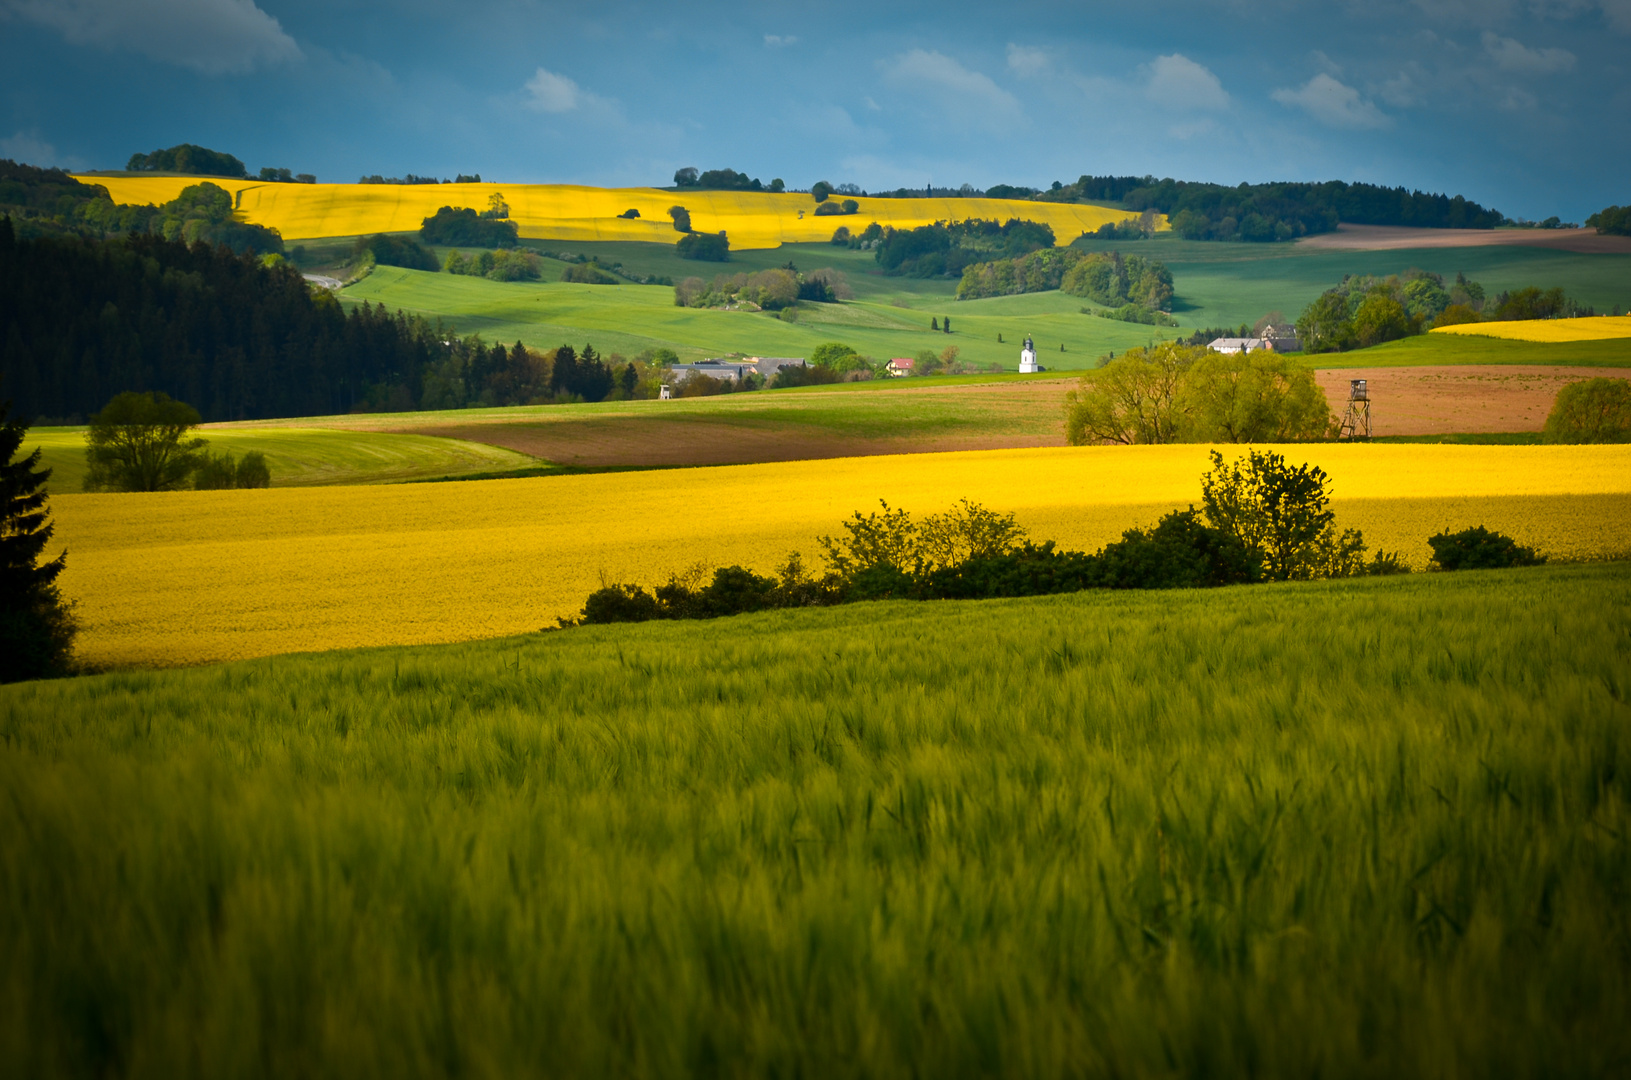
(1356, 421)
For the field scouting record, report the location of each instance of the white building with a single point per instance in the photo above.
(1252, 344)
(1027, 358)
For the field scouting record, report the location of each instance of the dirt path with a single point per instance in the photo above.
(1391, 237)
(1457, 399)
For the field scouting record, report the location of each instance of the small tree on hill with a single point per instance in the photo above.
(682, 218)
(137, 443)
(37, 626)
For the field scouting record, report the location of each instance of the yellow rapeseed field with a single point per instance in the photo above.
(1598, 328)
(567, 212)
(191, 577)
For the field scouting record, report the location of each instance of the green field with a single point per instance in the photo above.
(1217, 284)
(1345, 829)
(306, 456)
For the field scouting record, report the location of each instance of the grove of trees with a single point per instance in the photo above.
(463, 227)
(1170, 393)
(704, 247)
(1611, 221)
(190, 159)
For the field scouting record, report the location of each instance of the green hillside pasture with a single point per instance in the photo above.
(1218, 284)
(1356, 829)
(307, 456)
(1430, 349)
(626, 319)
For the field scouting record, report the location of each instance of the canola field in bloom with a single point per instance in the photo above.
(195, 577)
(753, 219)
(1596, 328)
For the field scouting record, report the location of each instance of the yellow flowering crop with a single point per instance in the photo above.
(1597, 328)
(191, 577)
(753, 219)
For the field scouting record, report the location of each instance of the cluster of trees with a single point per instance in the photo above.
(385, 250)
(772, 290)
(189, 159)
(704, 247)
(515, 264)
(284, 176)
(1364, 310)
(589, 273)
(1112, 278)
(947, 248)
(867, 238)
(141, 442)
(1262, 519)
(1611, 221)
(1170, 393)
(82, 320)
(44, 202)
(462, 226)
(1278, 211)
(723, 180)
(410, 179)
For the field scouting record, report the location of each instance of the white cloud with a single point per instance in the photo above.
(1178, 82)
(969, 94)
(1332, 103)
(216, 37)
(1027, 61)
(552, 93)
(1512, 55)
(1618, 14)
(776, 41)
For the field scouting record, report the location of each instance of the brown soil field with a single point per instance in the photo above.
(1457, 399)
(1390, 237)
(1444, 400)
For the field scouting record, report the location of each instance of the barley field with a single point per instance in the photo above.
(575, 213)
(196, 577)
(1597, 328)
(1341, 829)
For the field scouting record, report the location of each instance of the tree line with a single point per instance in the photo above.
(946, 248)
(82, 320)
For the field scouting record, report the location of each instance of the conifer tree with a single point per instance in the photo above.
(36, 625)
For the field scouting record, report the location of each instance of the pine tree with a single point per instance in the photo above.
(934, 323)
(36, 626)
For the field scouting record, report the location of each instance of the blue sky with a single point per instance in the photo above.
(1524, 105)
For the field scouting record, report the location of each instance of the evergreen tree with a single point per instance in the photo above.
(37, 626)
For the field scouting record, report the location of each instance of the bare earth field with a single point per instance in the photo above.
(1428, 400)
(1456, 399)
(1392, 237)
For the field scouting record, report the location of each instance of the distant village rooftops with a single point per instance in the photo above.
(1274, 339)
(727, 368)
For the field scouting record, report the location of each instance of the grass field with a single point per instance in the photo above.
(1351, 829)
(1217, 284)
(306, 457)
(196, 577)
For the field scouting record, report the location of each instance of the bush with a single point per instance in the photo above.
(215, 472)
(1593, 411)
(253, 471)
(705, 247)
(1180, 552)
(396, 251)
(1480, 549)
(588, 274)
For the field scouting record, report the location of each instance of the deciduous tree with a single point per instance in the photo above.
(138, 442)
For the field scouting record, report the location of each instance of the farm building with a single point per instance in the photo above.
(725, 368)
(1252, 344)
(899, 367)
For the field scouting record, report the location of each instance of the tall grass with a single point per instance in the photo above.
(1369, 828)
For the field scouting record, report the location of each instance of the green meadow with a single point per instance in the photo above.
(303, 456)
(1217, 285)
(1365, 828)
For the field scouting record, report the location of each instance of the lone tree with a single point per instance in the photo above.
(682, 218)
(37, 626)
(138, 443)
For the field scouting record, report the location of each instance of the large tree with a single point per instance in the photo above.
(139, 443)
(1132, 399)
(36, 625)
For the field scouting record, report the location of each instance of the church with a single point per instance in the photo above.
(1027, 359)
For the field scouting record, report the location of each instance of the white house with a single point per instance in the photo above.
(899, 367)
(1271, 343)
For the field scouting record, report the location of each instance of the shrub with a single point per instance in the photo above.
(588, 274)
(215, 472)
(1180, 552)
(396, 251)
(253, 471)
(1592, 411)
(1480, 549)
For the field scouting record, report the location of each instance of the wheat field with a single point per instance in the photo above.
(194, 577)
(575, 213)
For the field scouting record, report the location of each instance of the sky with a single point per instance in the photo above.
(1521, 105)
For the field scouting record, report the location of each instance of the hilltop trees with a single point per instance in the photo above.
(463, 227)
(187, 158)
(705, 247)
(37, 626)
(1611, 221)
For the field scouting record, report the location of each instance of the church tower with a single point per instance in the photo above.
(1027, 358)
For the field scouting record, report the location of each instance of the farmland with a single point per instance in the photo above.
(198, 577)
(1601, 328)
(1217, 284)
(587, 214)
(1346, 829)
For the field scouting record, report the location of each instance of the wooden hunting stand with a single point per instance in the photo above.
(1356, 421)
